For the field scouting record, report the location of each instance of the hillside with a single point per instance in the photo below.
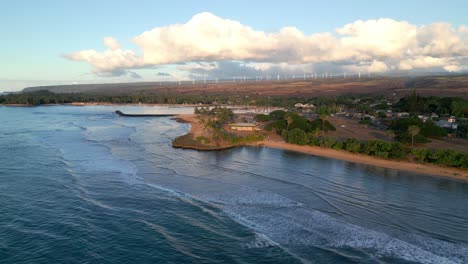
(391, 86)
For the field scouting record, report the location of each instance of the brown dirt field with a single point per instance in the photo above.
(388, 86)
(353, 129)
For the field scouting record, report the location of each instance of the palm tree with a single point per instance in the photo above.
(413, 131)
(289, 120)
(323, 117)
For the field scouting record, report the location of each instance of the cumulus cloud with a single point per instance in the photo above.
(373, 45)
(111, 43)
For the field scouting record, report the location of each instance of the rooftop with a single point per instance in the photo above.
(243, 124)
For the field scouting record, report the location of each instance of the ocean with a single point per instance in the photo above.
(84, 185)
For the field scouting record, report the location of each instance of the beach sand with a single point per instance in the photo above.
(197, 130)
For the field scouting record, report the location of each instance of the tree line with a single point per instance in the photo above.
(298, 130)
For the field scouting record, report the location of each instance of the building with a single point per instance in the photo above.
(299, 105)
(446, 124)
(402, 114)
(244, 127)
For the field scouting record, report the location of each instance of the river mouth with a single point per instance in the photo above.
(122, 179)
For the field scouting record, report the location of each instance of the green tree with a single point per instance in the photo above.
(297, 136)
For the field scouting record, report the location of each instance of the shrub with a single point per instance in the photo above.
(203, 140)
(377, 148)
(296, 136)
(262, 118)
(254, 137)
(398, 151)
(352, 145)
(313, 141)
(338, 145)
(449, 157)
(429, 129)
(277, 115)
(284, 135)
(327, 142)
(420, 154)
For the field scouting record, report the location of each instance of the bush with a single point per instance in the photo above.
(338, 145)
(327, 142)
(420, 154)
(277, 115)
(299, 122)
(254, 137)
(284, 135)
(317, 124)
(313, 141)
(398, 151)
(279, 125)
(449, 157)
(352, 145)
(203, 140)
(381, 115)
(262, 118)
(377, 148)
(429, 129)
(296, 136)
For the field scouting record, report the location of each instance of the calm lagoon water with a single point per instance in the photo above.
(83, 185)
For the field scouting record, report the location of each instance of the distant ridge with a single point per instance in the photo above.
(438, 85)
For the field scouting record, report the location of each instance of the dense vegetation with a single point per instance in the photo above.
(46, 97)
(416, 104)
(413, 103)
(283, 122)
(426, 129)
(296, 129)
(382, 149)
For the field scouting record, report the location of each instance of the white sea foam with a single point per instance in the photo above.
(289, 224)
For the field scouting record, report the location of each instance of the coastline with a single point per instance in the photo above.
(101, 104)
(427, 169)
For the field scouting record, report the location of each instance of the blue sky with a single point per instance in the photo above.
(37, 34)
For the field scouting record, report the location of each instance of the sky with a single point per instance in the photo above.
(66, 42)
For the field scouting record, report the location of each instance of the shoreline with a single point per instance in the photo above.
(102, 104)
(427, 169)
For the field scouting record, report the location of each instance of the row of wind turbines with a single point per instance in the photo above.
(277, 77)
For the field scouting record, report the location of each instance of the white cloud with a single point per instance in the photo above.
(373, 45)
(452, 68)
(111, 43)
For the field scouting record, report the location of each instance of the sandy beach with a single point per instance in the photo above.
(197, 130)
